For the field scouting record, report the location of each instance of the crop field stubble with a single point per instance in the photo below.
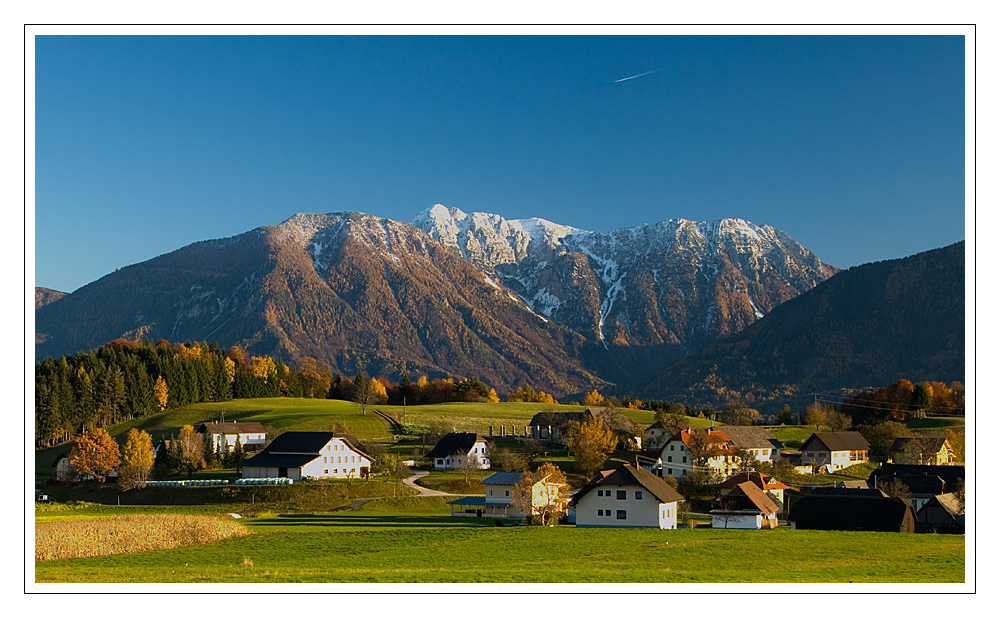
(403, 540)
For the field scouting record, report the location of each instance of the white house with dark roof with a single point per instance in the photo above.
(451, 450)
(745, 507)
(317, 454)
(252, 435)
(627, 497)
(835, 450)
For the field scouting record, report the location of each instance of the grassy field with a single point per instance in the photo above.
(411, 540)
(936, 423)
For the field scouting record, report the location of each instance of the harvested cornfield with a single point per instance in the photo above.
(128, 534)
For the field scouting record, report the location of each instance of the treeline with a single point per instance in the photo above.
(903, 400)
(126, 379)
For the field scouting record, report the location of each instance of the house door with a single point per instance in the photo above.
(282, 471)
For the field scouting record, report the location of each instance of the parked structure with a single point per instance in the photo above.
(627, 497)
(456, 450)
(834, 450)
(318, 454)
(744, 506)
(252, 435)
(921, 451)
(874, 513)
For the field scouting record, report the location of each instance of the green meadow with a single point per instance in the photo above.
(415, 540)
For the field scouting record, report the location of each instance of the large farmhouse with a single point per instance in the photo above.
(318, 454)
(627, 497)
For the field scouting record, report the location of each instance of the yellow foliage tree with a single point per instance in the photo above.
(230, 368)
(162, 392)
(137, 460)
(591, 444)
(541, 493)
(593, 398)
(263, 367)
(95, 454)
(493, 397)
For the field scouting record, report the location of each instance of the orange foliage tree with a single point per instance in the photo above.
(95, 454)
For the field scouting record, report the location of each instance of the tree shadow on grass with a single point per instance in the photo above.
(360, 521)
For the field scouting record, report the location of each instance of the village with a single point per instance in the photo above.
(920, 488)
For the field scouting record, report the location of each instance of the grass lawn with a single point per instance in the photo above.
(936, 422)
(403, 540)
(453, 481)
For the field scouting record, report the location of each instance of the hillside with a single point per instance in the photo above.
(870, 325)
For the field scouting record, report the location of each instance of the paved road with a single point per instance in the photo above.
(423, 491)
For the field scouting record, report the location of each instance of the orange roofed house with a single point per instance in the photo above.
(711, 451)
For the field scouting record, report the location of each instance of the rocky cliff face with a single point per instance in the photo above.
(512, 302)
(676, 282)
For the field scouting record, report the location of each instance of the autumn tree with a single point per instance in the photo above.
(591, 443)
(815, 414)
(161, 391)
(95, 454)
(735, 413)
(192, 450)
(837, 421)
(136, 460)
(364, 392)
(541, 493)
(592, 399)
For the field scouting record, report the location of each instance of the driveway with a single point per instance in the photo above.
(423, 491)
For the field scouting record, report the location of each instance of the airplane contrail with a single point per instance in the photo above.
(634, 76)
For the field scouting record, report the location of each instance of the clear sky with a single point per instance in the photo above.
(853, 145)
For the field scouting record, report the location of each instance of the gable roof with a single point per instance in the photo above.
(759, 480)
(560, 419)
(716, 441)
(746, 436)
(925, 444)
(216, 427)
(746, 497)
(853, 511)
(921, 479)
(847, 491)
(502, 478)
(839, 441)
(309, 443)
(630, 475)
(455, 444)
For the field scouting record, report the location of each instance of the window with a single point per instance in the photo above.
(621, 495)
(638, 495)
(670, 471)
(326, 472)
(506, 493)
(620, 514)
(684, 459)
(671, 447)
(334, 470)
(670, 457)
(491, 493)
(324, 460)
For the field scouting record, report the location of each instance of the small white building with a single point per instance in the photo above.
(318, 454)
(456, 450)
(745, 507)
(252, 435)
(627, 497)
(499, 498)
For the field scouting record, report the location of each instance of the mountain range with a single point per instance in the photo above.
(452, 294)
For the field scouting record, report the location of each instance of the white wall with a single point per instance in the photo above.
(646, 512)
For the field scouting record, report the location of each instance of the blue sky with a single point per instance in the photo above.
(854, 145)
